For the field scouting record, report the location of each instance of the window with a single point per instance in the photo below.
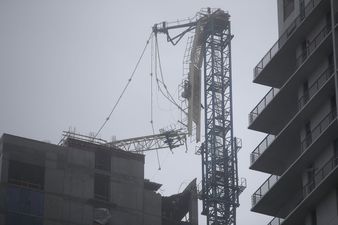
(313, 217)
(101, 187)
(288, 7)
(24, 174)
(310, 173)
(335, 145)
(102, 160)
(308, 135)
(302, 9)
(333, 103)
(305, 91)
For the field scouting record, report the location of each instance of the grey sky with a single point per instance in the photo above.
(64, 63)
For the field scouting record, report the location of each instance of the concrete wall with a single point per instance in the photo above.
(152, 208)
(2, 218)
(326, 210)
(127, 185)
(284, 24)
(69, 184)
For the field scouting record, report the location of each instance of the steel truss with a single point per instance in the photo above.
(219, 152)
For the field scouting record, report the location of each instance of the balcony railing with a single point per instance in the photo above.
(319, 176)
(262, 104)
(263, 189)
(285, 36)
(313, 45)
(318, 130)
(276, 221)
(314, 88)
(261, 147)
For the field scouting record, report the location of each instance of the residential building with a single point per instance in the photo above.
(82, 182)
(299, 115)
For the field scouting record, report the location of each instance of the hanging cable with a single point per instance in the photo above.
(125, 88)
(167, 95)
(151, 99)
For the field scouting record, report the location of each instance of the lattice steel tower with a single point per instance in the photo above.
(219, 153)
(220, 188)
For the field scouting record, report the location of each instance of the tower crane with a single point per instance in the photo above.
(209, 60)
(210, 52)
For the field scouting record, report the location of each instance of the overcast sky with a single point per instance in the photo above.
(63, 63)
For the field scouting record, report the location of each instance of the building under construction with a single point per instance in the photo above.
(83, 182)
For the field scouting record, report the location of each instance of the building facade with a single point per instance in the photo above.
(299, 116)
(82, 182)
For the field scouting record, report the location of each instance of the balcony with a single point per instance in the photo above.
(277, 59)
(313, 45)
(324, 179)
(275, 158)
(262, 104)
(262, 117)
(260, 149)
(318, 49)
(268, 199)
(263, 189)
(315, 87)
(318, 130)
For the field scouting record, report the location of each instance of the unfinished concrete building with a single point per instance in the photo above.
(299, 114)
(83, 182)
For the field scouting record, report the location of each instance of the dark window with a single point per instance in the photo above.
(304, 49)
(305, 91)
(101, 187)
(288, 7)
(328, 19)
(335, 145)
(330, 61)
(333, 103)
(310, 173)
(302, 9)
(25, 201)
(19, 219)
(24, 174)
(308, 136)
(313, 217)
(102, 160)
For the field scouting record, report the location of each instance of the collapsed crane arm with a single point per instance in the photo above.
(163, 28)
(168, 139)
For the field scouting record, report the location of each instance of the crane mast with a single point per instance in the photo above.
(220, 188)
